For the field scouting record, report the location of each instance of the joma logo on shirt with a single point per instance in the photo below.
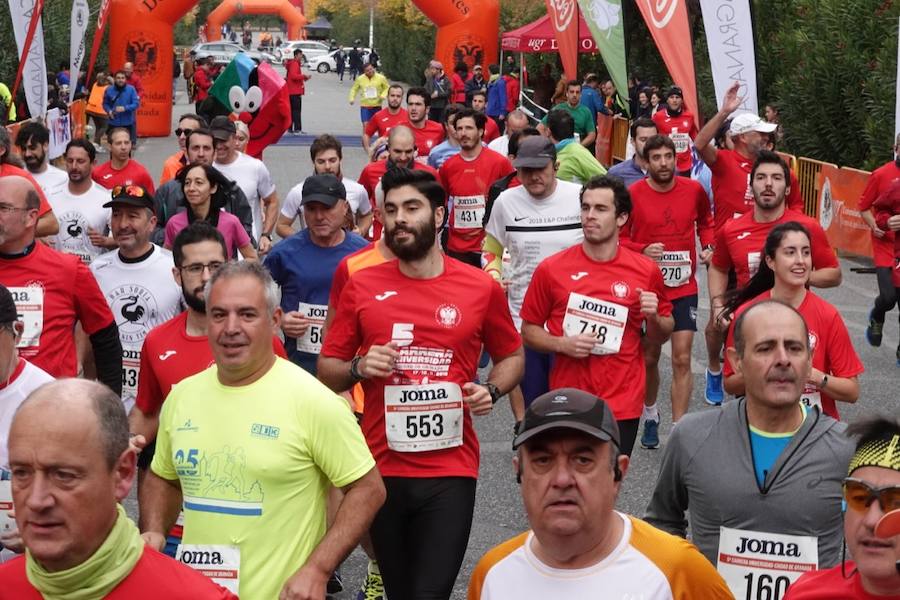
(423, 395)
(767, 547)
(269, 432)
(201, 557)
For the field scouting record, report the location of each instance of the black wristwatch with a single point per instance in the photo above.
(494, 391)
(354, 368)
(267, 235)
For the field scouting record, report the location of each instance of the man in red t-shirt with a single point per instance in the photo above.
(887, 217)
(53, 291)
(680, 125)
(467, 178)
(121, 168)
(381, 122)
(587, 306)
(668, 214)
(411, 331)
(428, 133)
(491, 131)
(888, 278)
(72, 466)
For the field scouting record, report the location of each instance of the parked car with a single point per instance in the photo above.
(224, 52)
(311, 49)
(326, 63)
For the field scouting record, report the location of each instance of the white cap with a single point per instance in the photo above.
(747, 122)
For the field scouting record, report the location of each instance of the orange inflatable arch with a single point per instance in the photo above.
(141, 33)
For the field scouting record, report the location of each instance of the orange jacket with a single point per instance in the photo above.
(95, 100)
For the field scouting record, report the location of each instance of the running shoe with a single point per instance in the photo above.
(715, 393)
(873, 331)
(335, 583)
(373, 588)
(650, 438)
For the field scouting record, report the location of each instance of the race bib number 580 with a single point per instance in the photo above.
(423, 417)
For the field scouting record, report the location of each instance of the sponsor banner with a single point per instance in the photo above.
(668, 23)
(729, 35)
(60, 132)
(607, 25)
(603, 145)
(839, 212)
(32, 73)
(79, 24)
(98, 38)
(564, 18)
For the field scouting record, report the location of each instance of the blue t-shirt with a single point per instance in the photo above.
(441, 153)
(767, 447)
(304, 271)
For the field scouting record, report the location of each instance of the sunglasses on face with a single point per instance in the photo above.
(859, 495)
(185, 132)
(134, 191)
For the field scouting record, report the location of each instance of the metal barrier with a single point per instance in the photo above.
(790, 159)
(808, 170)
(619, 141)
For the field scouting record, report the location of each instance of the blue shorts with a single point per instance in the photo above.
(367, 113)
(684, 312)
(537, 375)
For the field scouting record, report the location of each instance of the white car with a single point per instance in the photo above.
(311, 49)
(223, 52)
(326, 63)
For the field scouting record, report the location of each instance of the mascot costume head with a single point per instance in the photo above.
(256, 95)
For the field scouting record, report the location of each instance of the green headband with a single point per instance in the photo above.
(877, 453)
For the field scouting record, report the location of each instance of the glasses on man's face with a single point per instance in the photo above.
(135, 191)
(859, 495)
(8, 208)
(183, 132)
(197, 268)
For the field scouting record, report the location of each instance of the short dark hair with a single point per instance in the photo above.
(572, 83)
(641, 123)
(740, 340)
(561, 124)
(32, 131)
(450, 111)
(470, 113)
(422, 181)
(419, 91)
(198, 118)
(325, 142)
(494, 69)
(517, 137)
(201, 131)
(116, 74)
(767, 157)
(480, 93)
(395, 86)
(592, 78)
(621, 197)
(114, 130)
(196, 232)
(658, 141)
(873, 429)
(83, 144)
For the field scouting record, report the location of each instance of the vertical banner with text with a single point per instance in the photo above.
(604, 19)
(79, 24)
(564, 17)
(98, 38)
(33, 68)
(668, 23)
(729, 35)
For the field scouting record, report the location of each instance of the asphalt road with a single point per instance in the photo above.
(498, 513)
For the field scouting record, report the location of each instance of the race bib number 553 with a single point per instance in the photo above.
(423, 417)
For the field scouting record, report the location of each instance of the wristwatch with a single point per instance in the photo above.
(266, 235)
(354, 368)
(824, 382)
(494, 391)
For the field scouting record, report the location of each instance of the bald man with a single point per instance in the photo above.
(71, 467)
(516, 121)
(52, 291)
(133, 79)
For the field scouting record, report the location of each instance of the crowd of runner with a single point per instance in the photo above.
(287, 379)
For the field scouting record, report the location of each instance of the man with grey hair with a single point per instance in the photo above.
(71, 466)
(766, 449)
(517, 120)
(246, 442)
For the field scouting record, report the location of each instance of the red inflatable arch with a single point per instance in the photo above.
(140, 31)
(283, 8)
(468, 30)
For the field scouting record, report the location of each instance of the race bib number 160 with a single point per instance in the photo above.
(757, 564)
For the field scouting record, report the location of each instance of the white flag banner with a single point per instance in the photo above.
(80, 17)
(34, 74)
(729, 35)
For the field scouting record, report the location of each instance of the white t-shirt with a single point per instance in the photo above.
(500, 144)
(531, 230)
(357, 197)
(12, 395)
(76, 213)
(141, 296)
(51, 178)
(253, 177)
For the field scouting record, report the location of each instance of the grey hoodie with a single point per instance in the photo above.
(708, 467)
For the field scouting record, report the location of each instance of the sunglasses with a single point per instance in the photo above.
(134, 191)
(186, 132)
(859, 495)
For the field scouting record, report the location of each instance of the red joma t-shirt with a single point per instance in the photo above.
(879, 181)
(134, 173)
(382, 122)
(429, 136)
(681, 130)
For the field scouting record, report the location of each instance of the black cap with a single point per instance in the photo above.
(222, 128)
(674, 91)
(535, 152)
(8, 311)
(568, 408)
(131, 195)
(326, 189)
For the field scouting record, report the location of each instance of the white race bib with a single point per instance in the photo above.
(6, 504)
(762, 565)
(222, 564)
(753, 259)
(311, 340)
(811, 397)
(599, 318)
(131, 369)
(371, 93)
(30, 305)
(676, 268)
(682, 141)
(423, 417)
(468, 212)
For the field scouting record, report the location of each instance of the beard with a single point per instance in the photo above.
(423, 239)
(193, 300)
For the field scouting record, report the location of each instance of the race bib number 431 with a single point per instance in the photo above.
(468, 212)
(756, 564)
(423, 417)
(603, 320)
